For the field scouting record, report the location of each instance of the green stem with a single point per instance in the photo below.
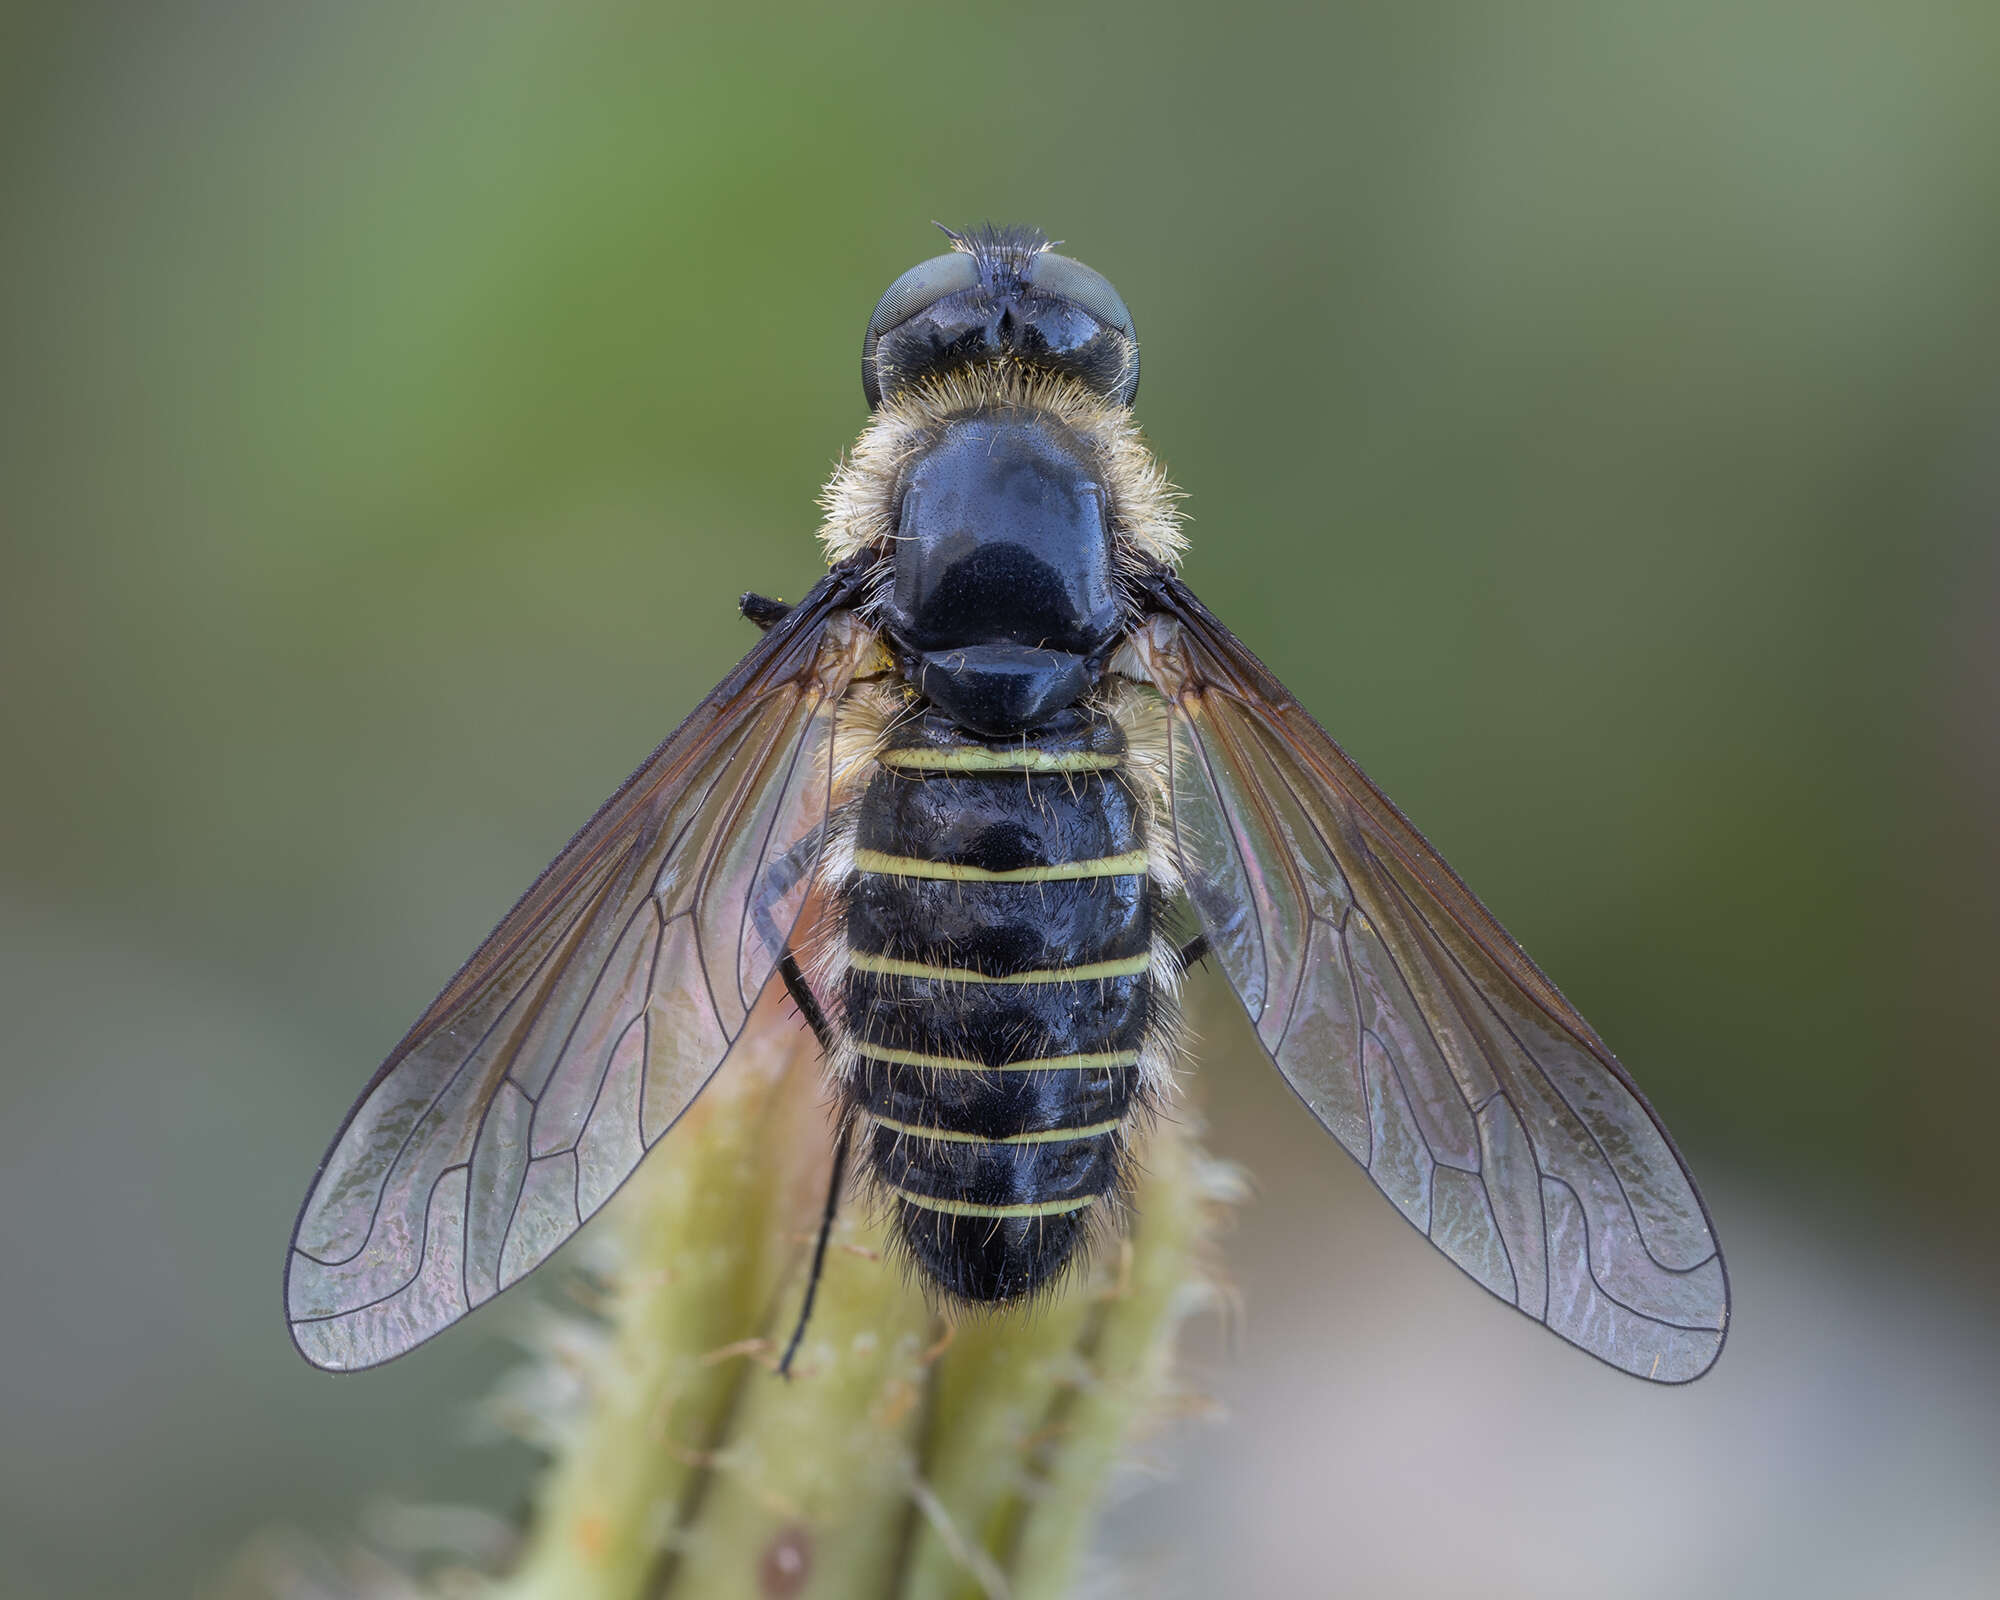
(905, 1458)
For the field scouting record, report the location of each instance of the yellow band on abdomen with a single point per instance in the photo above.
(891, 967)
(954, 1136)
(972, 1208)
(1131, 864)
(974, 758)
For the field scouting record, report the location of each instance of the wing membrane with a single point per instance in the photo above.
(1417, 1031)
(586, 1023)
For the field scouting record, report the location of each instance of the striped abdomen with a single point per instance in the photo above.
(998, 994)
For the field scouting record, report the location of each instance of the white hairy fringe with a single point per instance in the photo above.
(867, 715)
(1167, 1038)
(860, 500)
(1141, 715)
(825, 962)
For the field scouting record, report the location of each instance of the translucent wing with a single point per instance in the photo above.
(1416, 1030)
(589, 1019)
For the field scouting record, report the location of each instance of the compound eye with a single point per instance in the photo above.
(1082, 287)
(924, 285)
(911, 295)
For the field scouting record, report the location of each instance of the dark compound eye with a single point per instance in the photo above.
(1083, 287)
(1001, 294)
(924, 285)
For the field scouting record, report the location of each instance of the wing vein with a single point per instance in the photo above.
(423, 1253)
(558, 977)
(1542, 1072)
(450, 1082)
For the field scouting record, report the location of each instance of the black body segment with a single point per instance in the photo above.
(996, 1104)
(1004, 595)
(1002, 540)
(999, 992)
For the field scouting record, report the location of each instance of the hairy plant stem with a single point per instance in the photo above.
(907, 1458)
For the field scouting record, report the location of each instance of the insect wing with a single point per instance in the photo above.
(587, 1022)
(1417, 1031)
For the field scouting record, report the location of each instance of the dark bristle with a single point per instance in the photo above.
(965, 1291)
(999, 249)
(980, 1260)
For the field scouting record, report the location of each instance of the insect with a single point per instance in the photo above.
(977, 802)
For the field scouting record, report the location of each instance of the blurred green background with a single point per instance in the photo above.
(1590, 410)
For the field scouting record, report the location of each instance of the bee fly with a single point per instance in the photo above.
(977, 801)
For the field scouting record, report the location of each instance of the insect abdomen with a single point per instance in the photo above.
(998, 993)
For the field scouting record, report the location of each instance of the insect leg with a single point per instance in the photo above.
(763, 610)
(842, 1138)
(780, 878)
(1196, 949)
(807, 1002)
